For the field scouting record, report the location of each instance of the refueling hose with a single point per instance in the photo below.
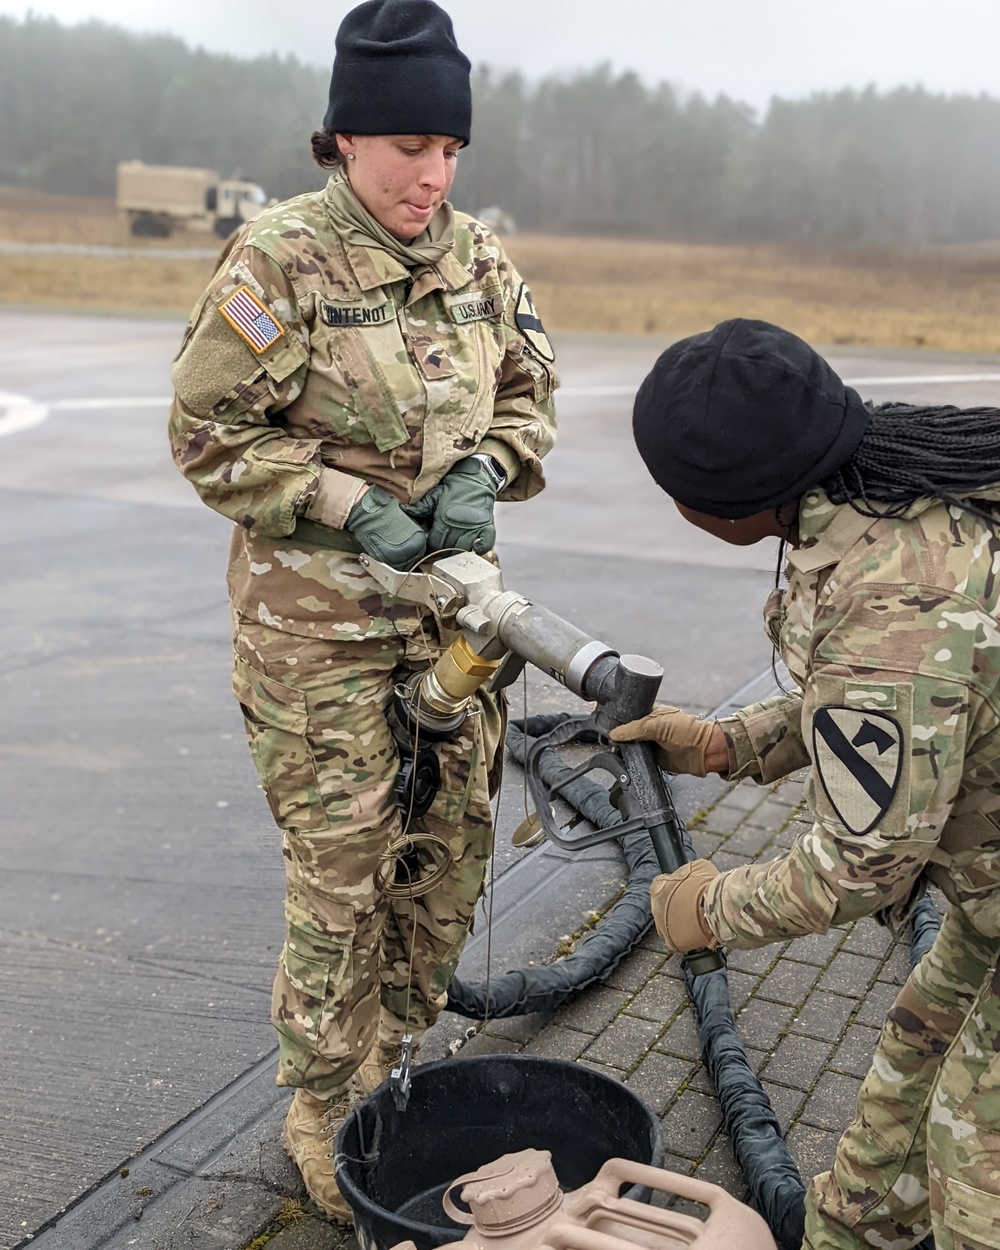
(775, 1186)
(623, 926)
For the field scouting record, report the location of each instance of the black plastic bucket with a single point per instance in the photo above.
(394, 1167)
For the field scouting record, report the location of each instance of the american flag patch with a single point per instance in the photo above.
(250, 319)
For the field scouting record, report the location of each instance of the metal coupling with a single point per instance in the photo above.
(438, 700)
(426, 710)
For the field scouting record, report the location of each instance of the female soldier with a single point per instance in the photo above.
(362, 350)
(890, 629)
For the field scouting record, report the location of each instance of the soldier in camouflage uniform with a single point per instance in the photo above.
(364, 374)
(890, 626)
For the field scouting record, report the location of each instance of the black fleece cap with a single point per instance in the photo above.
(399, 71)
(743, 418)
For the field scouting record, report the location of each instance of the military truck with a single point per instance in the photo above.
(158, 200)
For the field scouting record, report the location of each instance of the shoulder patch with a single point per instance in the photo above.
(858, 758)
(251, 320)
(528, 322)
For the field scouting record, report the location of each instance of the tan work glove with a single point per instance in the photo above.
(681, 740)
(676, 899)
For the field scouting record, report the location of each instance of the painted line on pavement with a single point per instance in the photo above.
(925, 379)
(21, 412)
(95, 405)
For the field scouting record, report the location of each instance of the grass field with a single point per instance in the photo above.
(35, 217)
(936, 297)
(942, 297)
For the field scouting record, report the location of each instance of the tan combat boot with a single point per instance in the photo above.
(311, 1127)
(378, 1066)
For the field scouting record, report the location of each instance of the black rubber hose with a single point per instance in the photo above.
(776, 1189)
(544, 989)
(775, 1186)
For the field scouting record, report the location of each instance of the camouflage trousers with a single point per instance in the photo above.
(358, 965)
(923, 1152)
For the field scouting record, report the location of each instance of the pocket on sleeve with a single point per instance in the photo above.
(859, 735)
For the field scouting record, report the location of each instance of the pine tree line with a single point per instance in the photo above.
(598, 152)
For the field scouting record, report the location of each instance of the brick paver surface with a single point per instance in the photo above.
(809, 1011)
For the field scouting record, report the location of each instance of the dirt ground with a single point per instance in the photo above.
(935, 297)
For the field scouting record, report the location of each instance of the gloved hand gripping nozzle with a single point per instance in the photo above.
(464, 592)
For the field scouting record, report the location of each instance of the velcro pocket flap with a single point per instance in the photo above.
(361, 354)
(283, 357)
(269, 702)
(318, 950)
(971, 1214)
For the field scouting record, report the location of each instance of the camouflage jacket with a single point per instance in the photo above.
(311, 366)
(890, 629)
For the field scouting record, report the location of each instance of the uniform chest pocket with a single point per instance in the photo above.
(437, 356)
(459, 364)
(379, 378)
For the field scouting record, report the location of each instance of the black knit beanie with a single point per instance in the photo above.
(399, 71)
(743, 418)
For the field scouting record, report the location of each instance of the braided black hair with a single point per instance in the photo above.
(909, 452)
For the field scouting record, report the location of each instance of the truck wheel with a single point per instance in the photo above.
(225, 226)
(146, 226)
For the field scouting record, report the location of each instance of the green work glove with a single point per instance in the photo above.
(463, 517)
(423, 509)
(384, 531)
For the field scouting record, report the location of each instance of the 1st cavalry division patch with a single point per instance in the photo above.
(529, 323)
(859, 757)
(251, 320)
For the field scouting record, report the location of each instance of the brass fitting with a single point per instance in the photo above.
(460, 671)
(437, 701)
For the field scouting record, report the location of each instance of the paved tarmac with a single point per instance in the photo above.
(140, 887)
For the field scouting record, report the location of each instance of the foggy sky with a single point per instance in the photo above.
(747, 49)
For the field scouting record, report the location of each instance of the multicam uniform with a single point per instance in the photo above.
(891, 628)
(313, 364)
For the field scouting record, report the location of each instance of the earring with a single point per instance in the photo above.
(350, 156)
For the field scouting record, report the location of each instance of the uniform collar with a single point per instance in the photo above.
(454, 275)
(373, 268)
(827, 532)
(378, 259)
